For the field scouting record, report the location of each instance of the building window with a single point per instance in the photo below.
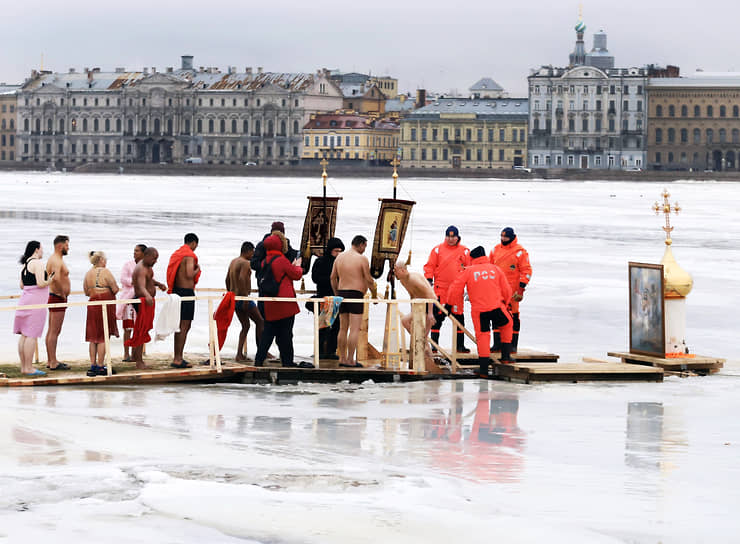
(521, 135)
(625, 125)
(434, 154)
(413, 135)
(710, 136)
(671, 136)
(626, 90)
(597, 122)
(423, 154)
(210, 126)
(684, 136)
(735, 136)
(434, 134)
(684, 111)
(479, 155)
(710, 111)
(658, 111)
(722, 111)
(571, 125)
(480, 134)
(423, 135)
(468, 135)
(445, 154)
(500, 154)
(697, 136)
(722, 136)
(697, 111)
(670, 157)
(611, 125)
(735, 111)
(445, 134)
(671, 111)
(597, 160)
(658, 135)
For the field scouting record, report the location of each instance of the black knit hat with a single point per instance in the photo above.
(509, 233)
(477, 251)
(333, 244)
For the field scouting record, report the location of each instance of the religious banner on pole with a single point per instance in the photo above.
(390, 231)
(318, 227)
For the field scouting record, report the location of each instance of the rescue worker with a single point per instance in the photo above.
(446, 262)
(489, 295)
(513, 259)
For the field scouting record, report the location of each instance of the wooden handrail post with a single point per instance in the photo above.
(106, 338)
(316, 347)
(418, 335)
(453, 345)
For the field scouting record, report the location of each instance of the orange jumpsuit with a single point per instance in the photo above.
(513, 259)
(444, 265)
(489, 295)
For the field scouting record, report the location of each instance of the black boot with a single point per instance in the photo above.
(514, 342)
(506, 358)
(461, 343)
(496, 341)
(435, 337)
(484, 363)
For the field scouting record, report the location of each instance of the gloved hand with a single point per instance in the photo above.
(519, 293)
(431, 281)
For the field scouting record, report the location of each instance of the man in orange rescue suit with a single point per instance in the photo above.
(489, 295)
(445, 263)
(513, 259)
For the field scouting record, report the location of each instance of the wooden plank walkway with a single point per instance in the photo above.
(699, 364)
(575, 372)
(523, 355)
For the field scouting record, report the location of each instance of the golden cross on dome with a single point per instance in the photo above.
(666, 208)
(395, 163)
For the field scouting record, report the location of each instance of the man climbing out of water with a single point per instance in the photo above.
(489, 294)
(350, 278)
(183, 273)
(513, 259)
(417, 287)
(446, 262)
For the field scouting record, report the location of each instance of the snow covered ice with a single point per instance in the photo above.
(422, 462)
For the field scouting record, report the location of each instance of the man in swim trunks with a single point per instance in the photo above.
(59, 289)
(184, 267)
(145, 286)
(350, 278)
(239, 282)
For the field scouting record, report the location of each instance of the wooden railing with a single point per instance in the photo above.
(394, 354)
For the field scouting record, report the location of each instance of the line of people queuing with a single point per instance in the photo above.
(495, 285)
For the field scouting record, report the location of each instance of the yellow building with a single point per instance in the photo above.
(368, 99)
(8, 115)
(466, 133)
(350, 136)
(387, 85)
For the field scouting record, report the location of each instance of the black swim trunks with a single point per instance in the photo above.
(351, 307)
(187, 307)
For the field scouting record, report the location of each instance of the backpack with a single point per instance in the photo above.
(267, 285)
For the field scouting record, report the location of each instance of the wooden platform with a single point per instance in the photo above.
(698, 364)
(524, 356)
(575, 372)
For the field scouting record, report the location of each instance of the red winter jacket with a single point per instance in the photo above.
(487, 286)
(285, 273)
(444, 265)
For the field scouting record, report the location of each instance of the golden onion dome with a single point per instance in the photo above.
(678, 282)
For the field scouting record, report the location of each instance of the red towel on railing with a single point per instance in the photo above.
(143, 324)
(223, 316)
(175, 260)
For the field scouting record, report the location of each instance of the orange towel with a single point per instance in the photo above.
(143, 324)
(223, 316)
(175, 260)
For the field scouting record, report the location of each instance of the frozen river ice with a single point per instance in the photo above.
(423, 462)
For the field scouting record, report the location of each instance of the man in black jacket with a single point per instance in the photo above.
(321, 276)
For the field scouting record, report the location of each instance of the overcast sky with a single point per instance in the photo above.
(438, 46)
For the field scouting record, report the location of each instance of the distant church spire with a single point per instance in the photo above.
(578, 56)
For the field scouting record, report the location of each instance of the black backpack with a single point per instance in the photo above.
(267, 285)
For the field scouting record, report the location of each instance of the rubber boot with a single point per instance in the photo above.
(496, 342)
(435, 336)
(461, 343)
(506, 358)
(514, 342)
(484, 363)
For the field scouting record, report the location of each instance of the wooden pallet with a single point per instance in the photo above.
(524, 355)
(699, 364)
(575, 372)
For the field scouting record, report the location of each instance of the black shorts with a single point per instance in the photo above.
(187, 307)
(351, 307)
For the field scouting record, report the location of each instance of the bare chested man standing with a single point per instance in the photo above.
(417, 286)
(144, 286)
(239, 282)
(350, 278)
(183, 272)
(59, 289)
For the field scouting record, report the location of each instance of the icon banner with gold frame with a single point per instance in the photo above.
(647, 309)
(318, 227)
(390, 231)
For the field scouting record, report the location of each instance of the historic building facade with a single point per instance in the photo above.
(121, 116)
(590, 114)
(350, 136)
(466, 133)
(694, 123)
(8, 116)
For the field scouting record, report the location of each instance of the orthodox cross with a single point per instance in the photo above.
(666, 208)
(394, 163)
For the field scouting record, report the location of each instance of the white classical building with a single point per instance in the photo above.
(150, 116)
(590, 114)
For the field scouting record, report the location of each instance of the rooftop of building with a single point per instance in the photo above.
(486, 84)
(478, 106)
(698, 80)
(9, 89)
(349, 120)
(400, 104)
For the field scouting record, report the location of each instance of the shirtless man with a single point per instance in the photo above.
(59, 289)
(350, 278)
(145, 286)
(239, 282)
(417, 286)
(184, 285)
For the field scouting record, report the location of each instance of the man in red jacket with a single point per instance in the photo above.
(445, 263)
(489, 294)
(280, 316)
(513, 259)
